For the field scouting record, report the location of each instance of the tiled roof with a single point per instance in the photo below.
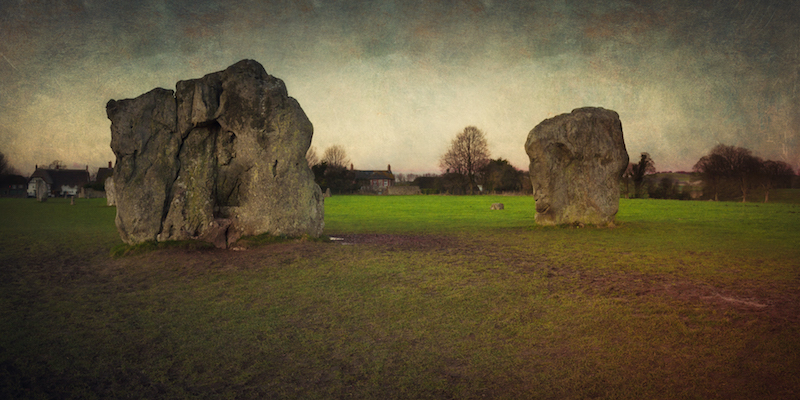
(42, 173)
(104, 173)
(63, 177)
(6, 180)
(368, 175)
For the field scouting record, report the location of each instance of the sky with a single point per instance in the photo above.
(394, 81)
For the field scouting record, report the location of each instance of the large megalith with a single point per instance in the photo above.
(221, 157)
(576, 162)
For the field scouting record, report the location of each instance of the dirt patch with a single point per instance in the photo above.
(397, 242)
(137, 272)
(778, 301)
(774, 300)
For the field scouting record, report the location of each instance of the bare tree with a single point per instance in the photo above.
(56, 164)
(500, 176)
(335, 156)
(742, 165)
(736, 163)
(645, 166)
(627, 177)
(3, 164)
(311, 156)
(6, 168)
(773, 174)
(711, 168)
(467, 155)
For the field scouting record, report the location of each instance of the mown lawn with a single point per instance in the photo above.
(417, 297)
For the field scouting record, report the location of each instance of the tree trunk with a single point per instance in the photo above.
(767, 185)
(744, 190)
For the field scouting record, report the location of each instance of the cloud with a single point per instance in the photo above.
(394, 81)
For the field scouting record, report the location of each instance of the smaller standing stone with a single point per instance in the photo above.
(110, 195)
(498, 206)
(41, 190)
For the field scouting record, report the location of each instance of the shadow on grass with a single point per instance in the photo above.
(124, 249)
(246, 242)
(265, 239)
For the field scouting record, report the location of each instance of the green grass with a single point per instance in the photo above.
(433, 297)
(85, 225)
(425, 214)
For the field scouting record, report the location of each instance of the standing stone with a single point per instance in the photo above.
(41, 190)
(144, 139)
(221, 157)
(576, 162)
(110, 195)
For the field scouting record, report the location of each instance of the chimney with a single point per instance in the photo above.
(87, 168)
(109, 164)
(389, 167)
(351, 166)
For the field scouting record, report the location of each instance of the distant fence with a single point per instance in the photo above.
(89, 193)
(403, 190)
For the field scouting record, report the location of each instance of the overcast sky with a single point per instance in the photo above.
(394, 81)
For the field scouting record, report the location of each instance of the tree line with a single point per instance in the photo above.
(730, 171)
(466, 169)
(469, 169)
(726, 173)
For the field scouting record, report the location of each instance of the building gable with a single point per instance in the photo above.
(62, 180)
(13, 186)
(103, 173)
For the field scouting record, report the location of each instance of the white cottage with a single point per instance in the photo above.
(58, 182)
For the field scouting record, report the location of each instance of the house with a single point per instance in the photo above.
(374, 181)
(13, 186)
(103, 173)
(97, 188)
(59, 181)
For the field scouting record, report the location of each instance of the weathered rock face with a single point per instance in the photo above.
(221, 157)
(577, 160)
(110, 199)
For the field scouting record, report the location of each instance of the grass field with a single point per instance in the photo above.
(417, 297)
